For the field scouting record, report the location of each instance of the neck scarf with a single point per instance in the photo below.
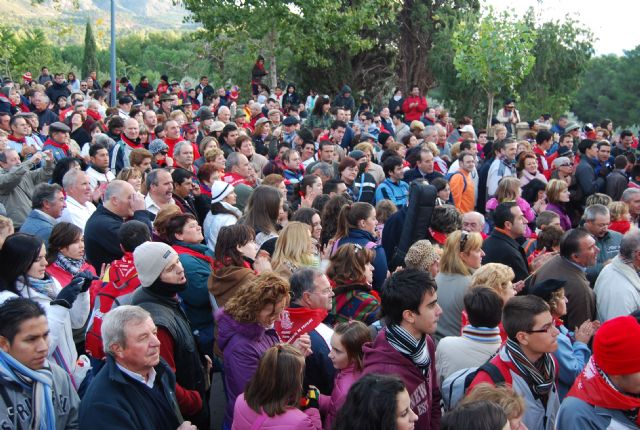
(131, 143)
(192, 252)
(540, 375)
(482, 334)
(164, 289)
(70, 265)
(44, 286)
(62, 146)
(415, 350)
(14, 138)
(39, 381)
(594, 387)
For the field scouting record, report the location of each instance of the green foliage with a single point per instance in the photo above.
(90, 60)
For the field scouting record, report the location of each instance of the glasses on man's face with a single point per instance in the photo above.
(548, 328)
(567, 165)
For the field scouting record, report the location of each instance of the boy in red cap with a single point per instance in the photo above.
(606, 394)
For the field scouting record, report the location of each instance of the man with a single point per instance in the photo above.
(293, 171)
(544, 140)
(159, 190)
(35, 393)
(404, 347)
(327, 155)
(559, 127)
(480, 339)
(401, 129)
(312, 298)
(162, 276)
(172, 134)
(41, 107)
(183, 191)
(183, 156)
(604, 156)
(334, 187)
(291, 125)
(120, 202)
(206, 89)
(501, 245)
(44, 76)
(98, 171)
(345, 99)
(58, 141)
(414, 105)
(617, 181)
(631, 197)
(18, 180)
(624, 143)
(79, 208)
(596, 221)
(129, 140)
(588, 182)
(166, 105)
(48, 202)
(224, 115)
(228, 139)
(424, 168)
(503, 164)
(124, 107)
(19, 138)
(462, 185)
(617, 288)
(509, 117)
(58, 88)
(578, 251)
(473, 222)
(150, 120)
(526, 362)
(237, 169)
(135, 389)
(393, 188)
(307, 152)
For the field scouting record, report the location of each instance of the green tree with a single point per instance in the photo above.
(495, 53)
(90, 61)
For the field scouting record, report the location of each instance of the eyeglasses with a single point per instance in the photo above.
(164, 152)
(463, 239)
(567, 165)
(546, 329)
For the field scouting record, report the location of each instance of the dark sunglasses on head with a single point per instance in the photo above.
(567, 165)
(164, 152)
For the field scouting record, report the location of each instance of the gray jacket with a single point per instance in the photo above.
(16, 188)
(15, 403)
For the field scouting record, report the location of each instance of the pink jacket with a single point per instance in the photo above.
(294, 419)
(330, 405)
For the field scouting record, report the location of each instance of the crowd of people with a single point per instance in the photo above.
(340, 265)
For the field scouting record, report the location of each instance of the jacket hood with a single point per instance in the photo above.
(228, 327)
(345, 89)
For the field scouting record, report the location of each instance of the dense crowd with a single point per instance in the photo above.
(340, 265)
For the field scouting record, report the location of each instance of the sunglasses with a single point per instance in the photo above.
(464, 236)
(567, 165)
(164, 152)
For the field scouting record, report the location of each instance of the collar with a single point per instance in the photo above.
(504, 233)
(482, 334)
(138, 377)
(131, 143)
(97, 169)
(46, 216)
(573, 263)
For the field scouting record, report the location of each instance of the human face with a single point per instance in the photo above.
(172, 129)
(316, 226)
(542, 338)
(185, 156)
(20, 127)
(626, 141)
(472, 258)
(604, 152)
(163, 190)
(565, 195)
(370, 223)
(74, 250)
(150, 119)
(294, 161)
(482, 139)
(397, 174)
(136, 182)
(592, 151)
(219, 162)
(338, 134)
(145, 165)
(231, 198)
(81, 191)
(426, 162)
(445, 193)
(599, 226)
(30, 345)
(588, 253)
(242, 168)
(425, 321)
(531, 165)
(415, 91)
(249, 249)
(271, 313)
(405, 417)
(191, 232)
(173, 273)
(566, 168)
(185, 188)
(327, 153)
(519, 222)
(471, 223)
(349, 174)
(468, 163)
(141, 349)
(308, 150)
(322, 295)
(57, 206)
(315, 189)
(634, 205)
(224, 115)
(131, 129)
(338, 354)
(246, 148)
(510, 150)
(561, 305)
(39, 266)
(627, 383)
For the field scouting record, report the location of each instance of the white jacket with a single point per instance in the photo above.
(213, 223)
(617, 290)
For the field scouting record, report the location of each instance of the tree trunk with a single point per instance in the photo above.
(490, 97)
(415, 46)
(272, 41)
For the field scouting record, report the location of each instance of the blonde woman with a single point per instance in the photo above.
(294, 249)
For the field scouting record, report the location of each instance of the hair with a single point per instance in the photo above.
(318, 107)
(348, 264)
(273, 180)
(496, 276)
(305, 215)
(508, 188)
(138, 155)
(353, 335)
(630, 244)
(63, 235)
(303, 281)
(18, 253)
(554, 188)
(62, 166)
(370, 404)
(330, 213)
(479, 415)
(629, 193)
(523, 158)
(617, 210)
(545, 218)
(293, 246)
(483, 306)
(519, 312)
(331, 186)
(229, 238)
(503, 213)
(323, 167)
(14, 312)
(347, 162)
(161, 221)
(44, 193)
(592, 211)
(263, 208)
(384, 209)
(266, 289)
(129, 173)
(502, 395)
(446, 219)
(549, 238)
(175, 225)
(300, 188)
(570, 243)
(405, 290)
(450, 262)
(349, 217)
(390, 164)
(180, 175)
(584, 145)
(93, 149)
(114, 325)
(212, 154)
(439, 183)
(277, 383)
(132, 234)
(70, 178)
(421, 255)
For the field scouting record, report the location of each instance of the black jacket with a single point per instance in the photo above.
(414, 174)
(500, 248)
(114, 400)
(588, 182)
(101, 235)
(617, 181)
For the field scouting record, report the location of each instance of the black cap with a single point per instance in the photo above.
(290, 120)
(545, 288)
(356, 154)
(59, 126)
(124, 100)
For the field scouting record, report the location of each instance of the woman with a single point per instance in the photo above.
(330, 215)
(65, 256)
(504, 396)
(377, 402)
(351, 273)
(236, 262)
(361, 185)
(443, 191)
(272, 396)
(133, 176)
(244, 145)
(261, 213)
(305, 191)
(294, 250)
(395, 102)
(573, 351)
(424, 256)
(78, 133)
(509, 191)
(207, 143)
(311, 217)
(215, 158)
(320, 116)
(558, 196)
(462, 256)
(23, 273)
(245, 331)
(185, 236)
(357, 224)
(261, 136)
(372, 168)
(223, 212)
(528, 168)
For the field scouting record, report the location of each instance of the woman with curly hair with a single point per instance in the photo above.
(351, 273)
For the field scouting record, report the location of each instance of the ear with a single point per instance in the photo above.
(179, 236)
(522, 338)
(117, 350)
(408, 316)
(4, 344)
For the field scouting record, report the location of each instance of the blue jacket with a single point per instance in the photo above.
(397, 193)
(572, 356)
(362, 238)
(38, 224)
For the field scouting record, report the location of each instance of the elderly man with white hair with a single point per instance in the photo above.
(473, 222)
(135, 388)
(77, 187)
(631, 196)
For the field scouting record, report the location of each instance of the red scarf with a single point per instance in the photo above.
(294, 322)
(591, 387)
(172, 142)
(226, 262)
(17, 139)
(439, 237)
(183, 250)
(235, 179)
(62, 146)
(94, 114)
(131, 143)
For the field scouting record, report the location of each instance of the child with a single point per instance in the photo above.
(346, 355)
(384, 210)
(620, 217)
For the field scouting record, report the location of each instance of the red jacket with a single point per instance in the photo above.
(414, 113)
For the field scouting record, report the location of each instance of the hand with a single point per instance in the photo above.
(45, 130)
(585, 331)
(306, 201)
(48, 157)
(209, 363)
(168, 161)
(69, 294)
(187, 426)
(518, 286)
(137, 202)
(87, 278)
(310, 399)
(303, 344)
(98, 193)
(37, 157)
(26, 150)
(262, 263)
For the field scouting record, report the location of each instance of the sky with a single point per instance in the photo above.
(613, 22)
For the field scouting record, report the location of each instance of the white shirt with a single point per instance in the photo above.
(493, 178)
(138, 377)
(76, 213)
(96, 178)
(152, 206)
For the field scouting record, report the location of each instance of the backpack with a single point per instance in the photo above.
(456, 385)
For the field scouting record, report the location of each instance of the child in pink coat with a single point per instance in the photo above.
(346, 355)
